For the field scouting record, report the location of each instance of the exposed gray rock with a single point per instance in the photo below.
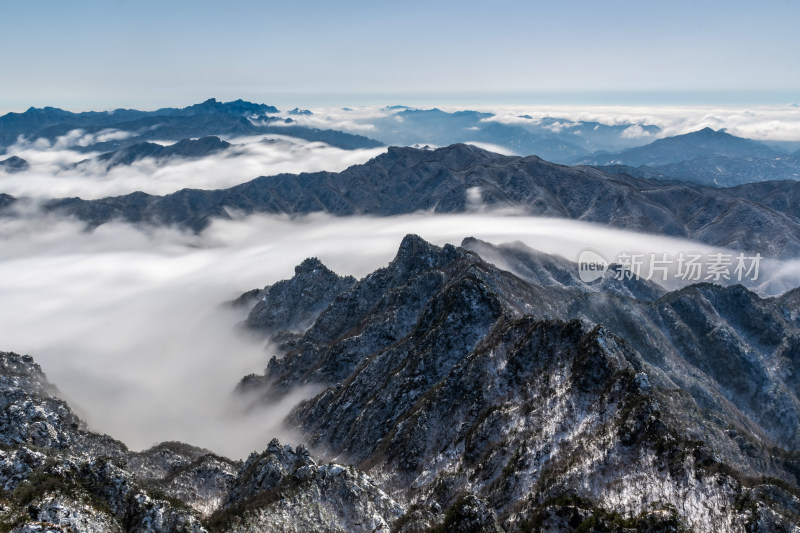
(459, 396)
(445, 375)
(96, 485)
(194, 476)
(55, 473)
(296, 303)
(284, 489)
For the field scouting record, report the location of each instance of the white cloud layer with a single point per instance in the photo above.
(52, 172)
(775, 122)
(128, 323)
(768, 122)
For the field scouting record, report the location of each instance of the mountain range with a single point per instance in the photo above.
(456, 395)
(185, 149)
(210, 118)
(534, 398)
(706, 156)
(758, 217)
(472, 388)
(555, 139)
(57, 475)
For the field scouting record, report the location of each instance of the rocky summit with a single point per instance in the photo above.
(461, 388)
(57, 475)
(532, 401)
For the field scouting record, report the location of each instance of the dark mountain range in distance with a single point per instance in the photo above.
(702, 143)
(553, 139)
(456, 395)
(759, 217)
(210, 118)
(185, 149)
(707, 157)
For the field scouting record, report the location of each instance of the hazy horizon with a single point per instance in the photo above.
(91, 54)
(288, 101)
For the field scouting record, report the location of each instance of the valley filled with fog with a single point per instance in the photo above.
(130, 315)
(400, 267)
(129, 320)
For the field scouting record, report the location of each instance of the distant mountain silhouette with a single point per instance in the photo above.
(708, 157)
(200, 120)
(14, 164)
(555, 139)
(699, 144)
(187, 149)
(756, 217)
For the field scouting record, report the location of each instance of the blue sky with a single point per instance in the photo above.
(103, 54)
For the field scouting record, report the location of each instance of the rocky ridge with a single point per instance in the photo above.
(458, 396)
(57, 475)
(754, 217)
(185, 149)
(448, 378)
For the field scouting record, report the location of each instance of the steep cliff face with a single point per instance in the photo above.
(731, 350)
(544, 397)
(56, 475)
(296, 303)
(457, 395)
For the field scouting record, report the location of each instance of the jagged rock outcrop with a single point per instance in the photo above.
(284, 489)
(56, 475)
(732, 350)
(296, 303)
(194, 476)
(459, 396)
(447, 377)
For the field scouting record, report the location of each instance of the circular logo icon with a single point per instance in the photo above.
(591, 266)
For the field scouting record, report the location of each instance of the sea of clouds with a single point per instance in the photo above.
(59, 170)
(130, 324)
(763, 123)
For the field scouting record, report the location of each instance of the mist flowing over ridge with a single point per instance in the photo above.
(270, 359)
(753, 217)
(123, 127)
(491, 385)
